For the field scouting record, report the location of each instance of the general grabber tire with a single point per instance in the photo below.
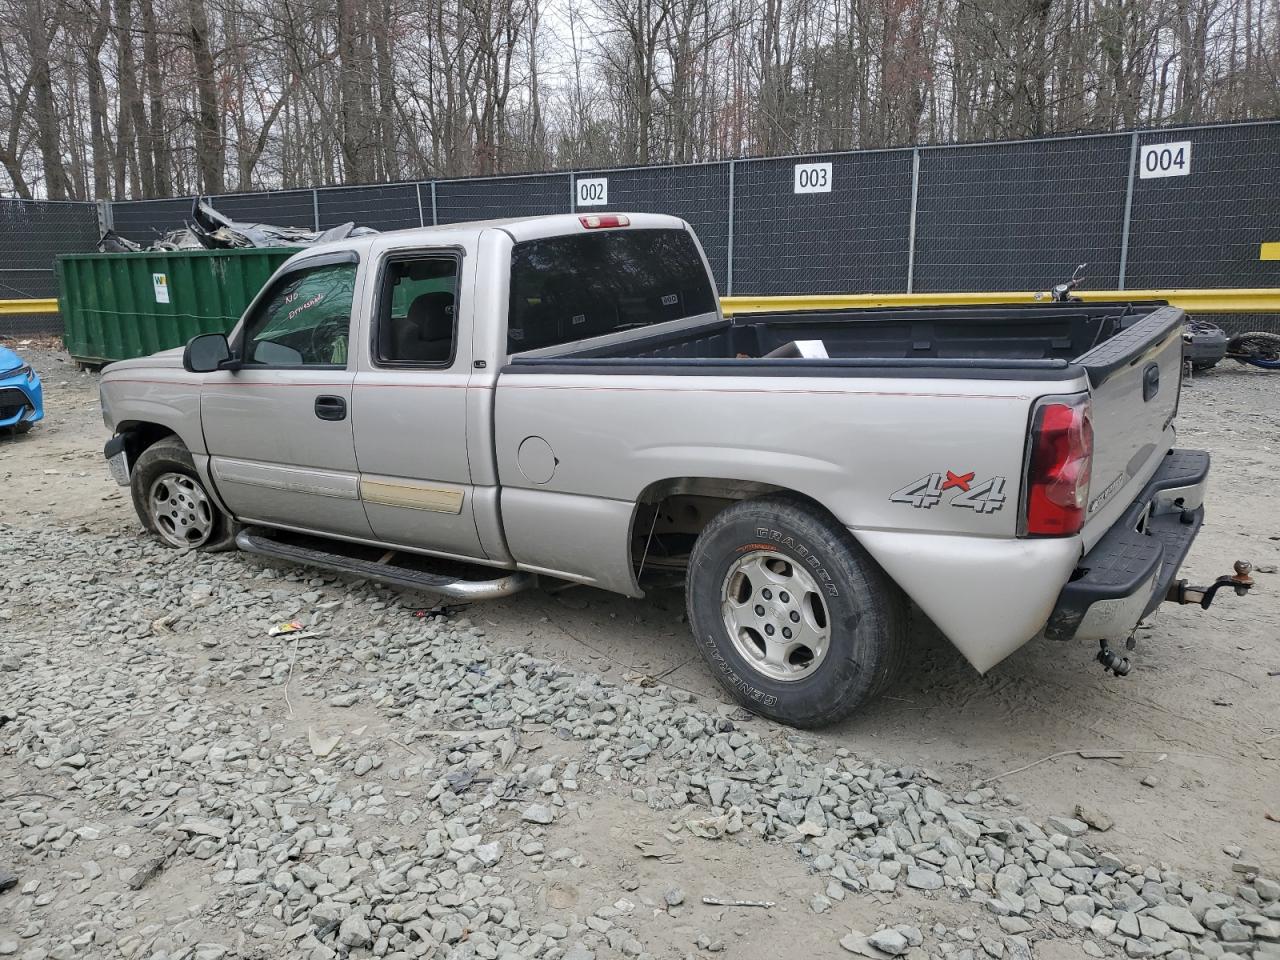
(172, 502)
(792, 615)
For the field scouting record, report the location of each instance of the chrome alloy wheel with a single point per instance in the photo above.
(180, 509)
(775, 615)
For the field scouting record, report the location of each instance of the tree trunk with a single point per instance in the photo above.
(40, 30)
(350, 99)
(131, 101)
(156, 144)
(98, 120)
(210, 158)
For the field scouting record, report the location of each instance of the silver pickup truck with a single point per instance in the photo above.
(561, 397)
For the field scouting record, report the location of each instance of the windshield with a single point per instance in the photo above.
(586, 285)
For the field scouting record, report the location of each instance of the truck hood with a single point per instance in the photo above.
(166, 359)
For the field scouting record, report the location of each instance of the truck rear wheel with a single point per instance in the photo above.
(792, 615)
(172, 502)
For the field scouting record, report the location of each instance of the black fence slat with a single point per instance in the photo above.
(491, 198)
(852, 239)
(281, 208)
(144, 221)
(392, 206)
(32, 234)
(1020, 216)
(1205, 228)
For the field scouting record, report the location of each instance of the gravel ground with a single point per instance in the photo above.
(556, 776)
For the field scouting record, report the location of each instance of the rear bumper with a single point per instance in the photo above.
(1129, 571)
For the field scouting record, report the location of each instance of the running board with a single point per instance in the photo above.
(252, 540)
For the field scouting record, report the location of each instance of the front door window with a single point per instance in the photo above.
(305, 321)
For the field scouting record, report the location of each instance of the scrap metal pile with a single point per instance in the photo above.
(210, 230)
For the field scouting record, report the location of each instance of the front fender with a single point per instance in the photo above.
(131, 403)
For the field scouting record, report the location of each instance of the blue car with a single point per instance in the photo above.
(21, 396)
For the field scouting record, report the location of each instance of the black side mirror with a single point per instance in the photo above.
(206, 353)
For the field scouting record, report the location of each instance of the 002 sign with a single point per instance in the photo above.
(593, 192)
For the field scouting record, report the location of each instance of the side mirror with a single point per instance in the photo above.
(206, 353)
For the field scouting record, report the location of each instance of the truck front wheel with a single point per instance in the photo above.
(172, 502)
(792, 615)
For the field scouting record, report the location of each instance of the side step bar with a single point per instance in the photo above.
(252, 540)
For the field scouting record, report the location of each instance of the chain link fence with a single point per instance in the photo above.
(32, 234)
(1020, 216)
(1203, 228)
(1186, 207)
(838, 222)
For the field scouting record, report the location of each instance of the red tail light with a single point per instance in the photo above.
(597, 220)
(1060, 465)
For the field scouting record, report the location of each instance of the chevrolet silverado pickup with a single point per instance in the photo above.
(561, 397)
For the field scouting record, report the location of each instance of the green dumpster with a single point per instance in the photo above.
(120, 305)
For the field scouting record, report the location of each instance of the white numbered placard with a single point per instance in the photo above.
(813, 178)
(593, 192)
(1165, 160)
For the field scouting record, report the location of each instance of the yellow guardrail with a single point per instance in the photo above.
(1248, 300)
(9, 308)
(1255, 300)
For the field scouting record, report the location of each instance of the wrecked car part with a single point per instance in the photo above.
(208, 229)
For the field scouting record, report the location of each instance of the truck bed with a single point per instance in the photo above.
(1128, 356)
(1029, 339)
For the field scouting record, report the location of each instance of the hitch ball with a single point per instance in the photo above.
(1182, 592)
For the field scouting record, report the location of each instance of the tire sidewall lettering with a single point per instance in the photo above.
(807, 556)
(735, 680)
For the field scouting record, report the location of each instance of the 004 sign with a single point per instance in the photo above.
(1165, 160)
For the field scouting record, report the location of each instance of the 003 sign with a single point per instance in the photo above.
(813, 178)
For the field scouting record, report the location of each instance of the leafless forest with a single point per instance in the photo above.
(140, 98)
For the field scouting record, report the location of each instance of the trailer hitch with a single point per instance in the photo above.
(1182, 592)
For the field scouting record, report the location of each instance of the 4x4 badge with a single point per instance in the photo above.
(925, 493)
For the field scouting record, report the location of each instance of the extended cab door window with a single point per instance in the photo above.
(305, 321)
(417, 312)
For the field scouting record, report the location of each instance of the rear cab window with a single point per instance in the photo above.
(587, 285)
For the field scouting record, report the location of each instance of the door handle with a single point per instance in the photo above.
(331, 408)
(1150, 382)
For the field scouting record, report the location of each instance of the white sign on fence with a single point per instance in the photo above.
(593, 192)
(1165, 160)
(813, 178)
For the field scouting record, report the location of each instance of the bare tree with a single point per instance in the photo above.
(156, 97)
